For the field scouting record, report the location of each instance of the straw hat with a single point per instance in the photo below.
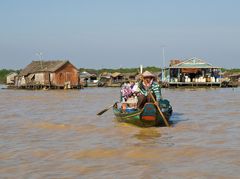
(148, 74)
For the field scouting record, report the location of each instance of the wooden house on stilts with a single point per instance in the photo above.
(48, 74)
(115, 79)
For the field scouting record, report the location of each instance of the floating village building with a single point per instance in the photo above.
(115, 79)
(131, 76)
(48, 74)
(88, 79)
(10, 79)
(234, 80)
(191, 72)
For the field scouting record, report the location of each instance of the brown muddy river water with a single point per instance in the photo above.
(57, 134)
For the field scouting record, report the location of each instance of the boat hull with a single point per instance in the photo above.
(146, 117)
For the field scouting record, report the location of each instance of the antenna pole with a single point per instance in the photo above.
(163, 68)
(40, 54)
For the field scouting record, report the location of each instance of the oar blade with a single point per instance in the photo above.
(101, 112)
(106, 109)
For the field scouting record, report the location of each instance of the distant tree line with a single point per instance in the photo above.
(233, 70)
(120, 70)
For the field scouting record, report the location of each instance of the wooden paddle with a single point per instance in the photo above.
(106, 109)
(159, 110)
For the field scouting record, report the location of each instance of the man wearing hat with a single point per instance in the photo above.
(145, 86)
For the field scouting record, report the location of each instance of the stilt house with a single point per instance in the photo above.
(49, 74)
(88, 79)
(111, 80)
(193, 72)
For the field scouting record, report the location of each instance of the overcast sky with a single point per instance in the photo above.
(119, 33)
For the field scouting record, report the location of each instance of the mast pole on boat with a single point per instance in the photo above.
(141, 69)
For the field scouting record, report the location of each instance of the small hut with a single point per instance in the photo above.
(11, 78)
(130, 76)
(88, 79)
(117, 77)
(49, 74)
(111, 80)
(234, 80)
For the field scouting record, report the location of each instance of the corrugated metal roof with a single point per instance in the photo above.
(193, 63)
(85, 74)
(43, 66)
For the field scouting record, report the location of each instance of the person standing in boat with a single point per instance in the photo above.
(144, 86)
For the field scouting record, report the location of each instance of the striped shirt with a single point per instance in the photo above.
(154, 88)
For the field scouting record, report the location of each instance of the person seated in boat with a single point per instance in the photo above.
(128, 98)
(126, 91)
(144, 86)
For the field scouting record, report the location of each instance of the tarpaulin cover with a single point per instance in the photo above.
(189, 70)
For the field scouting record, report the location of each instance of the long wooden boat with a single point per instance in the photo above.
(146, 117)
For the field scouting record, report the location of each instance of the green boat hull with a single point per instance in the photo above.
(146, 117)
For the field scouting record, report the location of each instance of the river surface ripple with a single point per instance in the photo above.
(57, 134)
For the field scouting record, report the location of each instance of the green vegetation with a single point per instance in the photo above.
(120, 70)
(233, 70)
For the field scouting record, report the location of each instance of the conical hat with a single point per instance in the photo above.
(148, 74)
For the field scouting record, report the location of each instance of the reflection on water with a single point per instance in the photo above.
(148, 134)
(57, 134)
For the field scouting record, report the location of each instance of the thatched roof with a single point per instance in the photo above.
(43, 66)
(116, 74)
(105, 74)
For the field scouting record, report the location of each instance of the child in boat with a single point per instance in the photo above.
(126, 91)
(128, 97)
